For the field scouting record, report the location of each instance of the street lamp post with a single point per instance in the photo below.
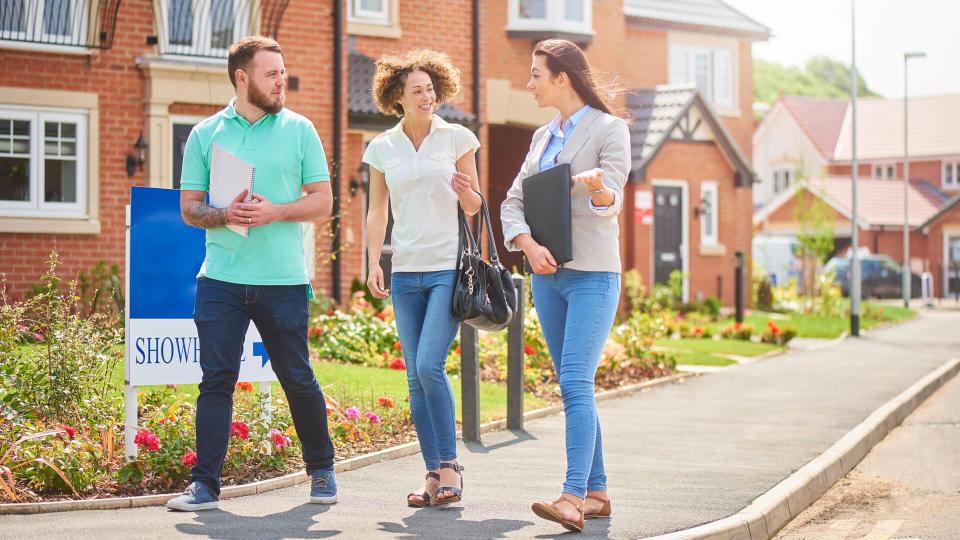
(906, 184)
(854, 256)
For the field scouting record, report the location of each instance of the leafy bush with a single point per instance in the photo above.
(777, 335)
(737, 331)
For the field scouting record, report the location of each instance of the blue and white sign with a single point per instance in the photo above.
(164, 255)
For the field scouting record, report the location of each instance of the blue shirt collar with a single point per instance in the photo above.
(554, 126)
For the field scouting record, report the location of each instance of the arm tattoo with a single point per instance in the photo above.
(204, 216)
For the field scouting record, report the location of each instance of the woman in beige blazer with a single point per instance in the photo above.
(575, 302)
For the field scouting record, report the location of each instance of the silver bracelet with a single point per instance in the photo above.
(598, 191)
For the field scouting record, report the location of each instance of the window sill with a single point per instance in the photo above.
(536, 34)
(46, 48)
(49, 225)
(713, 250)
(371, 29)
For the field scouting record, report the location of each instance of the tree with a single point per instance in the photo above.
(820, 77)
(815, 236)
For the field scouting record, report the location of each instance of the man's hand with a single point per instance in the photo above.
(375, 282)
(259, 211)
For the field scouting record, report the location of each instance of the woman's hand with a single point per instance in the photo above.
(539, 257)
(593, 179)
(375, 282)
(460, 183)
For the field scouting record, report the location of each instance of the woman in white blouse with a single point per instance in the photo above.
(422, 168)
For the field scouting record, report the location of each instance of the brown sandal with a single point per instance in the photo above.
(425, 498)
(604, 511)
(550, 512)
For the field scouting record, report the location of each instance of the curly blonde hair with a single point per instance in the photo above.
(391, 76)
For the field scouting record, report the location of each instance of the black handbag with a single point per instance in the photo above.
(483, 294)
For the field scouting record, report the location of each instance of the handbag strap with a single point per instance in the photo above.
(474, 241)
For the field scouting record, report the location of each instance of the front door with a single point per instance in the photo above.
(180, 134)
(667, 231)
(952, 269)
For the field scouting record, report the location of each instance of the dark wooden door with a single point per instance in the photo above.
(667, 231)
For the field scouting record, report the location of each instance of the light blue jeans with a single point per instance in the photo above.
(576, 311)
(421, 305)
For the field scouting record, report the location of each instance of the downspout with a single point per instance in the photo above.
(337, 145)
(476, 100)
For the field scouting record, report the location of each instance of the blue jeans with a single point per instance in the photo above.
(222, 313)
(576, 311)
(421, 304)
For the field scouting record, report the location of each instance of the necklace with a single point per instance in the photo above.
(417, 140)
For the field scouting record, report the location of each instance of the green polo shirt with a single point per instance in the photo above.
(287, 154)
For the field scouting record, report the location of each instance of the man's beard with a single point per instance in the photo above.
(262, 100)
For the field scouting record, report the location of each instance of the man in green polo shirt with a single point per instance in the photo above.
(261, 277)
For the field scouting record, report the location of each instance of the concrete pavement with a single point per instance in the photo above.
(677, 456)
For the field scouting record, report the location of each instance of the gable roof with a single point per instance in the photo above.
(714, 16)
(656, 112)
(934, 128)
(820, 118)
(360, 104)
(879, 202)
(942, 212)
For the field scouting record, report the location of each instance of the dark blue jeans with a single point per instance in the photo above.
(223, 312)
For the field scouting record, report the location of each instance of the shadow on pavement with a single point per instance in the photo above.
(520, 436)
(293, 523)
(446, 523)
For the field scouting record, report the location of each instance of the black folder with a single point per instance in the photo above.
(546, 206)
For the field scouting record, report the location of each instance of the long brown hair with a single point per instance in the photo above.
(565, 57)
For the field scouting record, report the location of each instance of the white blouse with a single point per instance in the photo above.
(424, 204)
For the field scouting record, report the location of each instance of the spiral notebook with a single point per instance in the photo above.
(229, 175)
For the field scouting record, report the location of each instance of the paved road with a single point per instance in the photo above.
(677, 456)
(908, 486)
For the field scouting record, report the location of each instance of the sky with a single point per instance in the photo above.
(885, 30)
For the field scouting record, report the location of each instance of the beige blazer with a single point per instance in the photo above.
(598, 140)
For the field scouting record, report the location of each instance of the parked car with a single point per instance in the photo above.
(880, 277)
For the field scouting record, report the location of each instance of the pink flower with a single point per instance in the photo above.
(240, 429)
(279, 439)
(190, 458)
(147, 440)
(373, 418)
(352, 412)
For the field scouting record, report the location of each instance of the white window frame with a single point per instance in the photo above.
(37, 6)
(200, 33)
(709, 218)
(36, 206)
(356, 12)
(884, 170)
(952, 181)
(779, 173)
(555, 19)
(720, 89)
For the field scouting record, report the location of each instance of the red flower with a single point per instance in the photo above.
(737, 326)
(382, 316)
(240, 429)
(147, 440)
(697, 331)
(330, 313)
(386, 402)
(245, 386)
(457, 350)
(529, 350)
(397, 346)
(310, 330)
(190, 458)
(69, 430)
(398, 364)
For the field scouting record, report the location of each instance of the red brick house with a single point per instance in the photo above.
(152, 67)
(807, 142)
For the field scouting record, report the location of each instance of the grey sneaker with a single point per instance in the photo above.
(323, 487)
(197, 496)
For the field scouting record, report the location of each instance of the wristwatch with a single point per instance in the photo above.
(598, 191)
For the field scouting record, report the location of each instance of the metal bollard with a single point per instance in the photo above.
(738, 285)
(515, 361)
(470, 382)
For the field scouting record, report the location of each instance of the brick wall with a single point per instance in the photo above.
(694, 163)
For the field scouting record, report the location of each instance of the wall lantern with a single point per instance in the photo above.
(139, 156)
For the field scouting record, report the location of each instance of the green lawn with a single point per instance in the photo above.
(817, 326)
(702, 352)
(353, 384)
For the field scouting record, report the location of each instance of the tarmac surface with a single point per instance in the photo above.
(676, 456)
